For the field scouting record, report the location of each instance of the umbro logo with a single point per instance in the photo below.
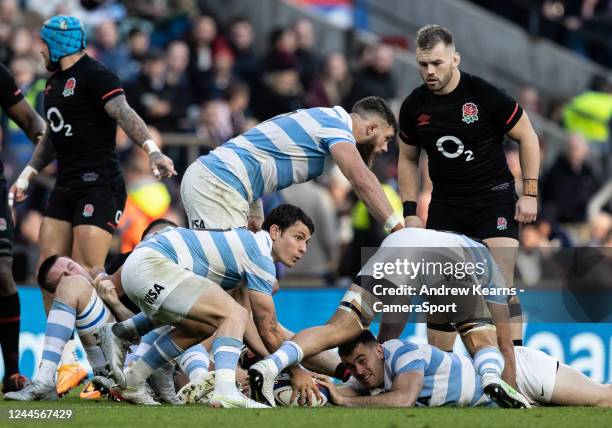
(423, 120)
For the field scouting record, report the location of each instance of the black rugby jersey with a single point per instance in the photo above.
(462, 133)
(10, 95)
(82, 133)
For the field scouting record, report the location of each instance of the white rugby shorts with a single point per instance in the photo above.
(209, 202)
(536, 373)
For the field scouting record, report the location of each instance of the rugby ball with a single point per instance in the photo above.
(283, 392)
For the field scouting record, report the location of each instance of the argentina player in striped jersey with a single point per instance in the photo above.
(224, 188)
(181, 277)
(400, 373)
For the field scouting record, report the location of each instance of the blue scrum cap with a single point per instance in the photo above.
(64, 35)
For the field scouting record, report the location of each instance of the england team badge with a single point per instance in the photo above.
(502, 223)
(69, 88)
(470, 113)
(88, 210)
(3, 225)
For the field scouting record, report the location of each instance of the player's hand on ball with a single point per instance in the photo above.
(526, 209)
(413, 221)
(334, 394)
(161, 165)
(303, 384)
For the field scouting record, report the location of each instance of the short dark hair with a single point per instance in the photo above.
(375, 106)
(43, 271)
(366, 337)
(285, 216)
(430, 35)
(155, 223)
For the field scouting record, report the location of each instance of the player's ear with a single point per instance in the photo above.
(380, 352)
(275, 232)
(456, 59)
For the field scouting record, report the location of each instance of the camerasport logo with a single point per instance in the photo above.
(69, 88)
(502, 223)
(470, 113)
(88, 210)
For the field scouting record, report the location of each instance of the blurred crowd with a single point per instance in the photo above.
(195, 78)
(584, 26)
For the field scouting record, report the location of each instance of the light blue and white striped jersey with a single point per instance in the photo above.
(289, 148)
(223, 256)
(449, 379)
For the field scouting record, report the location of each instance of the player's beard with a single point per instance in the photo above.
(442, 82)
(366, 150)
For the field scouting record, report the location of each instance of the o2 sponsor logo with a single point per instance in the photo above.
(457, 144)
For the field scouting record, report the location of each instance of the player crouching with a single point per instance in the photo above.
(399, 373)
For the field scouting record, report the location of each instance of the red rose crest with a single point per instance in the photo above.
(470, 113)
(69, 87)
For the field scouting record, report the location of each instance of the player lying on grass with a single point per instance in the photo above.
(400, 373)
(86, 304)
(180, 277)
(370, 291)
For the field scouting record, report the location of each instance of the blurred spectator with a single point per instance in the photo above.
(332, 85)
(599, 226)
(281, 90)
(601, 201)
(151, 97)
(201, 37)
(247, 62)
(569, 184)
(529, 270)
(138, 44)
(111, 52)
(215, 124)
(307, 57)
(222, 75)
(22, 43)
(375, 78)
(321, 258)
(529, 99)
(178, 82)
(282, 47)
(238, 97)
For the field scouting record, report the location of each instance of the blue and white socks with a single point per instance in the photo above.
(287, 355)
(489, 364)
(60, 325)
(134, 327)
(226, 352)
(164, 350)
(195, 362)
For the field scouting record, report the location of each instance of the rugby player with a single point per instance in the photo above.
(84, 102)
(224, 188)
(17, 108)
(361, 302)
(80, 302)
(180, 277)
(399, 373)
(460, 120)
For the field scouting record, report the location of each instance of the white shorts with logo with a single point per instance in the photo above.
(163, 290)
(209, 202)
(536, 374)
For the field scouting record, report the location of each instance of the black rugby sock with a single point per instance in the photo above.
(9, 333)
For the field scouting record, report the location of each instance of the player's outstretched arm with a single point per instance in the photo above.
(135, 128)
(404, 393)
(408, 181)
(529, 154)
(365, 184)
(43, 155)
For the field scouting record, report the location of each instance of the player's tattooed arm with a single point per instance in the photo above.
(264, 315)
(136, 129)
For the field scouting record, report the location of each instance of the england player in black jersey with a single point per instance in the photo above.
(460, 121)
(84, 103)
(15, 106)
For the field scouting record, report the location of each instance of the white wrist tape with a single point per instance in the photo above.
(23, 181)
(392, 221)
(150, 147)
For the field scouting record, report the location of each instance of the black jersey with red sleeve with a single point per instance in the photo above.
(462, 133)
(10, 95)
(83, 134)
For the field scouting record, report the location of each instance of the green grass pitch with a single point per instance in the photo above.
(109, 414)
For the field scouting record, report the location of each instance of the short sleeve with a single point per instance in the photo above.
(10, 94)
(333, 127)
(104, 84)
(407, 120)
(505, 112)
(260, 275)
